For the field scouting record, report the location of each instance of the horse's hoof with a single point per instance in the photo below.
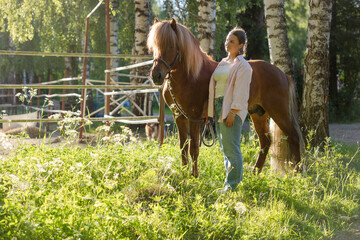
(256, 170)
(195, 174)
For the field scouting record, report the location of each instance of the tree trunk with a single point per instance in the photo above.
(142, 23)
(207, 26)
(277, 35)
(114, 36)
(314, 108)
(280, 57)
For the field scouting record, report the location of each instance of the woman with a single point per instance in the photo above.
(228, 101)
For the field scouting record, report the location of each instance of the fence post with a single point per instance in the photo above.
(161, 118)
(9, 101)
(64, 91)
(82, 110)
(48, 114)
(22, 107)
(38, 104)
(31, 101)
(14, 108)
(108, 60)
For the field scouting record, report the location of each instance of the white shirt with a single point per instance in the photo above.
(221, 75)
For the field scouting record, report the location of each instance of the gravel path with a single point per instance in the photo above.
(348, 133)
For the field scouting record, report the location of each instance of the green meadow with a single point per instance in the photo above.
(128, 188)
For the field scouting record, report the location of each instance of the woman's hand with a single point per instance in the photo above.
(230, 119)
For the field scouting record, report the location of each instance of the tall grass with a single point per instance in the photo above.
(136, 190)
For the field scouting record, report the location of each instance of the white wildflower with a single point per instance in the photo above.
(240, 208)
(79, 165)
(98, 204)
(116, 176)
(106, 139)
(22, 163)
(55, 116)
(13, 178)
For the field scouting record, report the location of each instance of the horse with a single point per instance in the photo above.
(183, 70)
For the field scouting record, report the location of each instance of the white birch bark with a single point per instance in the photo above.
(314, 108)
(142, 25)
(277, 35)
(207, 26)
(114, 35)
(280, 57)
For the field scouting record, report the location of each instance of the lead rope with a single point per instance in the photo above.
(207, 126)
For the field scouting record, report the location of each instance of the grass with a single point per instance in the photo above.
(132, 189)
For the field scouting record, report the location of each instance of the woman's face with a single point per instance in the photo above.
(232, 45)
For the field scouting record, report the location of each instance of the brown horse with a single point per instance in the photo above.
(187, 70)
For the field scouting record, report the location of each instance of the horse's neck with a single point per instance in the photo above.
(182, 79)
(208, 68)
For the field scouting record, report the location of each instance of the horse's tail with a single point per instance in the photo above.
(294, 112)
(281, 155)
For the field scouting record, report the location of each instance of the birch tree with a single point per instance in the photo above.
(114, 34)
(142, 25)
(277, 35)
(314, 108)
(280, 57)
(207, 26)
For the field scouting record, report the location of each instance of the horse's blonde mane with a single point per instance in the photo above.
(162, 36)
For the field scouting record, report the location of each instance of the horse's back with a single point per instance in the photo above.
(262, 68)
(267, 82)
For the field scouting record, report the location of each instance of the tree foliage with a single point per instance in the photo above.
(46, 25)
(347, 52)
(57, 25)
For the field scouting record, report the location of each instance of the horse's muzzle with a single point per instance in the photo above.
(157, 77)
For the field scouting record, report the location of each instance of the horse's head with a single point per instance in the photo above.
(163, 42)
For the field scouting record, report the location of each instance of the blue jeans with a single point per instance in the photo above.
(229, 140)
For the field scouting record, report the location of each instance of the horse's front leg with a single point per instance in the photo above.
(194, 146)
(183, 127)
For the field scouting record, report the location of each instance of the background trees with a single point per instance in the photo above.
(344, 91)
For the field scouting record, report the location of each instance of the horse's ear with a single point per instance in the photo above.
(156, 20)
(173, 23)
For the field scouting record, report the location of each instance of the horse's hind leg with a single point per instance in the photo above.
(194, 146)
(183, 126)
(262, 130)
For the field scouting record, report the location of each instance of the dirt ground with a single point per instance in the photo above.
(348, 133)
(352, 234)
